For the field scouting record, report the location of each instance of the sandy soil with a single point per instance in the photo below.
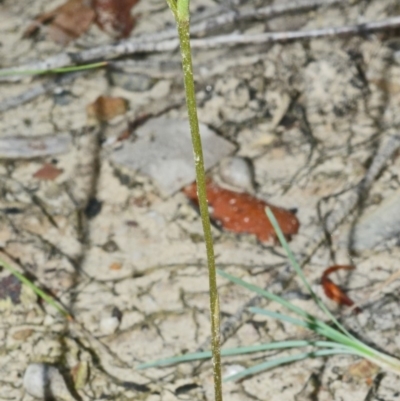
(309, 115)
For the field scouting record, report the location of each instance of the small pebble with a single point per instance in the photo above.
(231, 370)
(44, 382)
(237, 172)
(376, 227)
(109, 324)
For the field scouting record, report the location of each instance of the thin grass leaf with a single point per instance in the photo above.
(299, 271)
(47, 298)
(284, 360)
(265, 294)
(236, 351)
(315, 325)
(55, 71)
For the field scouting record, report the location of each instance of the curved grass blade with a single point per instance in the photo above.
(315, 325)
(285, 360)
(265, 294)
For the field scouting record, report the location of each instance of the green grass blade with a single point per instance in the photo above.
(47, 298)
(299, 271)
(11, 72)
(265, 294)
(314, 325)
(237, 351)
(285, 360)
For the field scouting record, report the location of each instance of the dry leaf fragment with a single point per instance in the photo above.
(115, 266)
(105, 108)
(48, 172)
(114, 16)
(67, 22)
(243, 213)
(363, 369)
(334, 292)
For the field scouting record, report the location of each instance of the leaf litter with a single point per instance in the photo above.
(333, 291)
(243, 213)
(73, 18)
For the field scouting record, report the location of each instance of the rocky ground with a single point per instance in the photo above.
(126, 256)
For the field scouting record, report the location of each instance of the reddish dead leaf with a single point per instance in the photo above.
(243, 213)
(334, 292)
(67, 22)
(114, 16)
(105, 108)
(48, 172)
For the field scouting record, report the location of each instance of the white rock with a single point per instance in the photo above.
(109, 324)
(44, 381)
(237, 172)
(231, 370)
(163, 151)
(376, 227)
(28, 148)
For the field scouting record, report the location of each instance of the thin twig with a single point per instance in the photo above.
(136, 46)
(37, 90)
(237, 16)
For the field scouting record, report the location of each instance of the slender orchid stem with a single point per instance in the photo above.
(180, 9)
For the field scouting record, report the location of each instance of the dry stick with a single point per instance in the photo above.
(141, 45)
(38, 90)
(236, 16)
(385, 152)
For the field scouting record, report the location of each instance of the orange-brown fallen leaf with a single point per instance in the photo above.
(114, 16)
(73, 18)
(334, 292)
(66, 22)
(48, 172)
(105, 108)
(243, 213)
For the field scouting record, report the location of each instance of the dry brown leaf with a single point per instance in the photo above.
(333, 291)
(67, 22)
(363, 369)
(105, 108)
(114, 16)
(48, 172)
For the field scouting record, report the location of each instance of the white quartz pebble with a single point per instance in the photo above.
(44, 381)
(237, 173)
(109, 324)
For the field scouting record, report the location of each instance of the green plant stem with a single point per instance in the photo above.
(180, 10)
